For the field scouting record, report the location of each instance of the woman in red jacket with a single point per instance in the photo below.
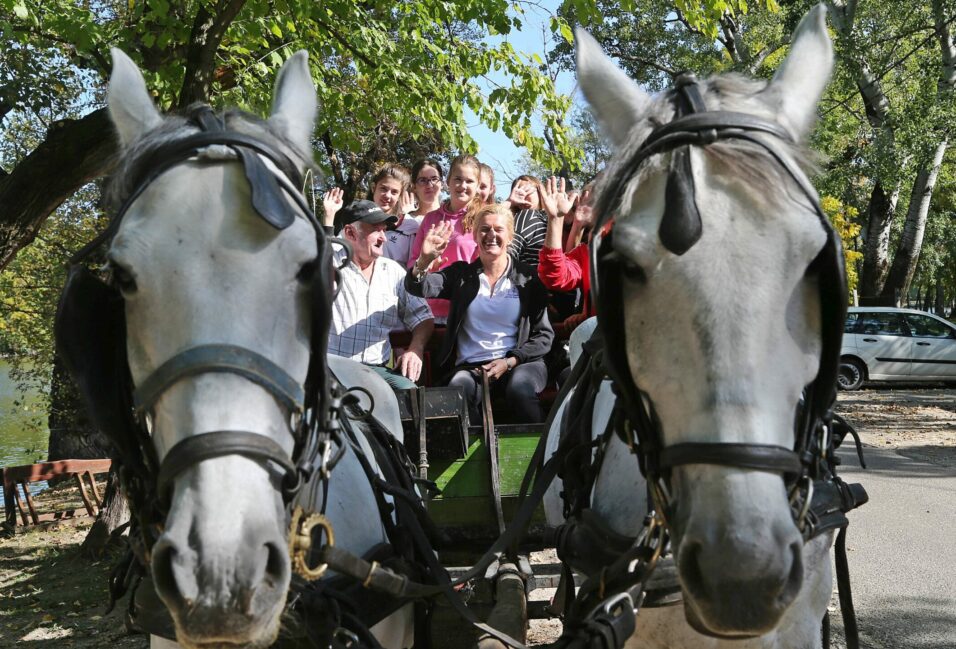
(560, 270)
(564, 266)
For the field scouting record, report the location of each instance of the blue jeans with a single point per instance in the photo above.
(393, 377)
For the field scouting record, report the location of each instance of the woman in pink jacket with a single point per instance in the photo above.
(463, 177)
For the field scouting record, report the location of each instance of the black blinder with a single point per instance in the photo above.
(681, 226)
(267, 197)
(266, 193)
(90, 333)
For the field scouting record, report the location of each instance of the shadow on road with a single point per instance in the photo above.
(902, 623)
(908, 462)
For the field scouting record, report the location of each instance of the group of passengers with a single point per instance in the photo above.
(489, 272)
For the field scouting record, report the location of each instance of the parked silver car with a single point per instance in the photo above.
(887, 344)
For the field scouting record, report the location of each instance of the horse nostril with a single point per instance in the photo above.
(795, 578)
(277, 566)
(688, 567)
(175, 585)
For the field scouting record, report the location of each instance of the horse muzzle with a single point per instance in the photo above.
(739, 571)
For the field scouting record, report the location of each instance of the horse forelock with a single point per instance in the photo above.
(131, 164)
(741, 160)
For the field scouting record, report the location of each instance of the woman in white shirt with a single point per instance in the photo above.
(498, 321)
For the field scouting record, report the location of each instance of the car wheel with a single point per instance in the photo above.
(851, 374)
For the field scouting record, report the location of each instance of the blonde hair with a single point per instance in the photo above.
(489, 208)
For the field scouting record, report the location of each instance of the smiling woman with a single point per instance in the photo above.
(498, 324)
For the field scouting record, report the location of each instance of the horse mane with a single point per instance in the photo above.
(132, 159)
(744, 161)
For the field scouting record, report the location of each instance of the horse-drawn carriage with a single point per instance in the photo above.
(701, 423)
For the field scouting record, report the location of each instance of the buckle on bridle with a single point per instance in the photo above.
(800, 517)
(619, 600)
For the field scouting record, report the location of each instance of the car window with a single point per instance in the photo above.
(852, 319)
(926, 327)
(880, 324)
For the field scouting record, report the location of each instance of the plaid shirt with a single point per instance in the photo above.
(364, 312)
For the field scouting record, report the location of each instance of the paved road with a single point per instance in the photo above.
(902, 553)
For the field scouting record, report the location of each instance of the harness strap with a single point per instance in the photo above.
(220, 358)
(759, 457)
(207, 446)
(852, 633)
(491, 445)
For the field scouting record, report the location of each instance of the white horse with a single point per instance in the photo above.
(722, 339)
(198, 266)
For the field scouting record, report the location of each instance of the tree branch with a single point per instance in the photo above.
(73, 153)
(617, 53)
(333, 160)
(204, 40)
(345, 43)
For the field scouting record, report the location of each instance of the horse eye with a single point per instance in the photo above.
(122, 278)
(633, 272)
(306, 271)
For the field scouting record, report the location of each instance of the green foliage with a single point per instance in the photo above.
(584, 135)
(895, 41)
(706, 17)
(843, 218)
(653, 40)
(30, 287)
(384, 71)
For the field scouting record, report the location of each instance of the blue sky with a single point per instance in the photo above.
(495, 147)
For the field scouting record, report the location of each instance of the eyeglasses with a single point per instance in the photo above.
(429, 181)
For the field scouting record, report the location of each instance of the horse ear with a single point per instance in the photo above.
(616, 101)
(800, 80)
(131, 108)
(294, 104)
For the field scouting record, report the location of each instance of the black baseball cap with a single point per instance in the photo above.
(367, 212)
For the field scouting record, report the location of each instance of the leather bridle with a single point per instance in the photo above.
(312, 420)
(680, 228)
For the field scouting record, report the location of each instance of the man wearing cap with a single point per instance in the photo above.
(372, 300)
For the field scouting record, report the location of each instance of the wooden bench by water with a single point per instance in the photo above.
(16, 478)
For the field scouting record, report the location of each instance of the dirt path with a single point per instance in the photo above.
(52, 596)
(918, 423)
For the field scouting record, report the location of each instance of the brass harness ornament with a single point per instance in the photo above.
(300, 542)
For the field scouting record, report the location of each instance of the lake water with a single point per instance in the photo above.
(21, 440)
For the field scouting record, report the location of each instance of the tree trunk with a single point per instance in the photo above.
(877, 241)
(939, 304)
(114, 513)
(907, 252)
(207, 33)
(74, 153)
(886, 189)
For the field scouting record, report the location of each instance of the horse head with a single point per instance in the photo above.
(214, 262)
(717, 290)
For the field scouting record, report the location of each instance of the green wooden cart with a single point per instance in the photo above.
(457, 459)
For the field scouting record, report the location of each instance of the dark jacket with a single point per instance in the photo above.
(459, 283)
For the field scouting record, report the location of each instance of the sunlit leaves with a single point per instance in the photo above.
(843, 218)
